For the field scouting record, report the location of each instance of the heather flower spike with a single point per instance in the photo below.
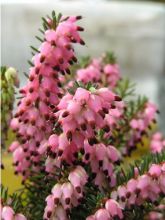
(34, 119)
(67, 195)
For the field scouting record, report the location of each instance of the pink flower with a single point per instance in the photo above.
(57, 192)
(122, 193)
(75, 179)
(143, 182)
(102, 214)
(60, 213)
(155, 216)
(82, 95)
(14, 146)
(20, 217)
(113, 74)
(67, 191)
(114, 208)
(92, 217)
(53, 142)
(131, 186)
(7, 213)
(157, 143)
(155, 170)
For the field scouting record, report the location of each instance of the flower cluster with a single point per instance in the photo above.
(80, 117)
(112, 73)
(7, 213)
(157, 144)
(112, 210)
(155, 216)
(102, 159)
(99, 72)
(9, 80)
(147, 187)
(157, 213)
(87, 111)
(66, 195)
(144, 119)
(34, 119)
(143, 188)
(139, 126)
(92, 73)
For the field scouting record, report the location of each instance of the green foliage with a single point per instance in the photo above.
(109, 57)
(84, 62)
(121, 136)
(36, 189)
(51, 22)
(125, 88)
(142, 165)
(4, 194)
(135, 106)
(48, 23)
(15, 200)
(91, 200)
(77, 84)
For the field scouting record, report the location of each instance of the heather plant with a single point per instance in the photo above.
(76, 124)
(8, 82)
